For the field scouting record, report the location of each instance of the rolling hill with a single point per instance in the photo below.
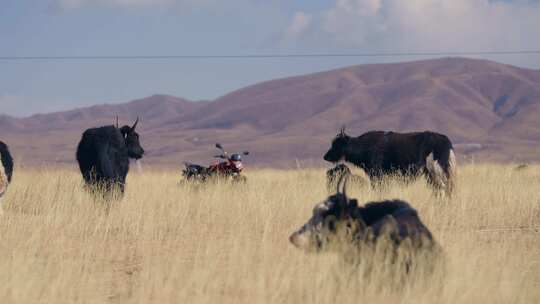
(489, 110)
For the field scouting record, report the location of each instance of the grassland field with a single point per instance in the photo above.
(166, 243)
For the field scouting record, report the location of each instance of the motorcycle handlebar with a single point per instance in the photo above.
(226, 155)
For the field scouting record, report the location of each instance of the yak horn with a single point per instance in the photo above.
(135, 124)
(342, 131)
(342, 184)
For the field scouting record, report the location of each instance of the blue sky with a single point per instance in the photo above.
(210, 27)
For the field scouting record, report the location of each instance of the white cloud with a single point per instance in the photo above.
(300, 23)
(427, 25)
(359, 8)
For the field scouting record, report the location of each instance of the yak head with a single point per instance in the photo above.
(337, 150)
(132, 141)
(334, 223)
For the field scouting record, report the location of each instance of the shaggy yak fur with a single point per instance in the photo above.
(339, 225)
(103, 155)
(381, 154)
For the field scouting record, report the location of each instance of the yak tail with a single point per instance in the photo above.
(442, 177)
(3, 178)
(451, 173)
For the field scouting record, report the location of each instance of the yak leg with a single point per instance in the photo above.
(441, 171)
(107, 178)
(3, 184)
(435, 175)
(451, 173)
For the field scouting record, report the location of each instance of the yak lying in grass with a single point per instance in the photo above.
(381, 154)
(339, 224)
(6, 169)
(103, 155)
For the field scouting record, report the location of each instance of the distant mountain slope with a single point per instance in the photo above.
(154, 109)
(288, 121)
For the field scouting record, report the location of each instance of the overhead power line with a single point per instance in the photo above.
(262, 56)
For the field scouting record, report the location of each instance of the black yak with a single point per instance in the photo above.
(103, 155)
(339, 225)
(6, 170)
(381, 153)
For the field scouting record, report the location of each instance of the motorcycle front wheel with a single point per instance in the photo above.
(239, 179)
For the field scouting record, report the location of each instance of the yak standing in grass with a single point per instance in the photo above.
(381, 154)
(390, 231)
(6, 170)
(103, 155)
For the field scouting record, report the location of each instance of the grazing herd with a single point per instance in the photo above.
(339, 223)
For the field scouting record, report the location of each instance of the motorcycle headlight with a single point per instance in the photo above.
(238, 165)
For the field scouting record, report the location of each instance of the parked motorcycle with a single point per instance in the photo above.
(230, 168)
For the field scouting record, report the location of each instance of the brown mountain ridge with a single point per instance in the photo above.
(489, 110)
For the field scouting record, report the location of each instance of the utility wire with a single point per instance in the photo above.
(262, 56)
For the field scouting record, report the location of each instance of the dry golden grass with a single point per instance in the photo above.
(168, 244)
